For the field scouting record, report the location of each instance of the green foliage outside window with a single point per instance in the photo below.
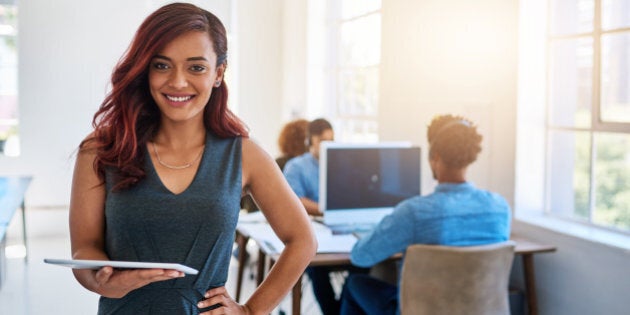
(612, 180)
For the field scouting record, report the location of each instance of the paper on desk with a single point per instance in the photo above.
(258, 217)
(328, 243)
(321, 229)
(252, 217)
(341, 243)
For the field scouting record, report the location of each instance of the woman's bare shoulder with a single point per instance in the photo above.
(255, 158)
(89, 144)
(251, 149)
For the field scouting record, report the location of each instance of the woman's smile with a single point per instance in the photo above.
(178, 100)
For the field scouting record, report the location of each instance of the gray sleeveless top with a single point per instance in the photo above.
(196, 228)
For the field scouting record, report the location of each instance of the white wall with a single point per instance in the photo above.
(581, 277)
(260, 68)
(67, 50)
(452, 56)
(294, 57)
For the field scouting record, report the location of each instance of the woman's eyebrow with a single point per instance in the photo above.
(200, 58)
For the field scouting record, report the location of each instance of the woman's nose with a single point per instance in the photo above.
(178, 79)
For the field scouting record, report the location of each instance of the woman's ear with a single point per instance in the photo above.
(221, 71)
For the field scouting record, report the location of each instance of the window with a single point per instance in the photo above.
(588, 112)
(353, 38)
(359, 54)
(8, 79)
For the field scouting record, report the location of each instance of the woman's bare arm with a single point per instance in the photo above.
(287, 217)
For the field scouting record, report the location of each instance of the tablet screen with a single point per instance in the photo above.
(96, 264)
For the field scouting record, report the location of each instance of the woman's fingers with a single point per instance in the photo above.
(152, 275)
(102, 275)
(117, 283)
(217, 291)
(221, 298)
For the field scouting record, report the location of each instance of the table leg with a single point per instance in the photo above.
(261, 267)
(530, 283)
(241, 242)
(296, 297)
(24, 232)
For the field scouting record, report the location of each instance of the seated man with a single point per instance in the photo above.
(457, 214)
(302, 174)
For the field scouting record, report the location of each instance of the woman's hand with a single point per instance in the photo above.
(116, 283)
(226, 305)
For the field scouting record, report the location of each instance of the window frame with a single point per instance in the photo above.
(597, 125)
(336, 71)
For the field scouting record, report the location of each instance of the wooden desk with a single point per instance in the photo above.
(336, 259)
(242, 237)
(524, 247)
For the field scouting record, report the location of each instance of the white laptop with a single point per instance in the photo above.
(359, 184)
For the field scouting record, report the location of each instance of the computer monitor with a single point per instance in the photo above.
(361, 183)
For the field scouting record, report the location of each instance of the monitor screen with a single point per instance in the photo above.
(375, 176)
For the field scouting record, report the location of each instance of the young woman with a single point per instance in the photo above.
(292, 141)
(161, 177)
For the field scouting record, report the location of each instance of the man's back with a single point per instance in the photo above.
(455, 214)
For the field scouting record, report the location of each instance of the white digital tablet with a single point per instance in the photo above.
(97, 264)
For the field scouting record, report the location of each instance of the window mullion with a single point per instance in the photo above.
(592, 178)
(596, 80)
(595, 104)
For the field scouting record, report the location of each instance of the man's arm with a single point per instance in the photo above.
(391, 236)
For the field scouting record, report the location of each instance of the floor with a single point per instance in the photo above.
(34, 287)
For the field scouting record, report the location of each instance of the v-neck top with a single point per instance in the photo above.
(196, 227)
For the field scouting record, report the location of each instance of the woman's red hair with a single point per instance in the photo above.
(129, 117)
(292, 138)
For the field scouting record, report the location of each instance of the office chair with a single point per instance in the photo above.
(456, 280)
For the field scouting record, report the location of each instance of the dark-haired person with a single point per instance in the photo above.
(302, 172)
(161, 176)
(456, 214)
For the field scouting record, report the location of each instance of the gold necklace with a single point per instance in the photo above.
(175, 167)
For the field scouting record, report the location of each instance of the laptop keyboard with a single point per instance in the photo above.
(354, 228)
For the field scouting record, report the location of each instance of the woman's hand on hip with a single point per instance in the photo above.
(223, 303)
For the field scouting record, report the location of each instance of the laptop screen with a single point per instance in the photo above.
(360, 183)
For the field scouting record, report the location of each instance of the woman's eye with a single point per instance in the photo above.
(160, 66)
(197, 68)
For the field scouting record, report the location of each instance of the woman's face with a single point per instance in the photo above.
(182, 75)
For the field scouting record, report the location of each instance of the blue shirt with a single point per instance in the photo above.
(455, 214)
(302, 174)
